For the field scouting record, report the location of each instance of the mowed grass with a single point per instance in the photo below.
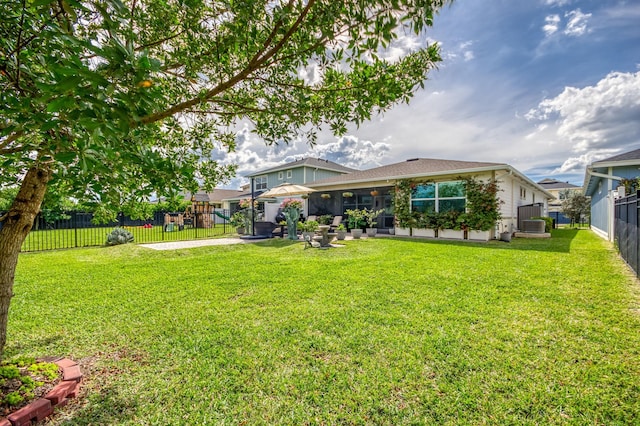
(382, 331)
(51, 239)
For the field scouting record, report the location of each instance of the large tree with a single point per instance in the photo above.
(113, 100)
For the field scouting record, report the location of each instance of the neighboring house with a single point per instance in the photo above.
(299, 172)
(216, 198)
(374, 188)
(601, 183)
(561, 191)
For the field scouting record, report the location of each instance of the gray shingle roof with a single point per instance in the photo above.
(310, 162)
(556, 184)
(631, 155)
(409, 168)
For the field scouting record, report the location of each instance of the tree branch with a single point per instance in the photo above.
(10, 139)
(253, 65)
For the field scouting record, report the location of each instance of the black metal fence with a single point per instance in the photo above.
(77, 229)
(627, 230)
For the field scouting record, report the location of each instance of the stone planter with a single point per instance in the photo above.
(403, 232)
(371, 232)
(451, 234)
(475, 235)
(341, 235)
(429, 233)
(392, 231)
(356, 233)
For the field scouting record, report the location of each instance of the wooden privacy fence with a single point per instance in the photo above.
(627, 230)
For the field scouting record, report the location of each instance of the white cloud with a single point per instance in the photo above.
(577, 24)
(556, 2)
(580, 162)
(350, 151)
(403, 45)
(595, 121)
(252, 154)
(551, 26)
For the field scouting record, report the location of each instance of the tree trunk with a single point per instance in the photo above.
(16, 225)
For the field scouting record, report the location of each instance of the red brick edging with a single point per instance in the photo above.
(57, 397)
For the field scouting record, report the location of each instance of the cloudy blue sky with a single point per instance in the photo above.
(547, 86)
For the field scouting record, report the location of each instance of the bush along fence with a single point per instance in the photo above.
(76, 229)
(627, 230)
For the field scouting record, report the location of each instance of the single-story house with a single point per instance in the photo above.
(374, 189)
(602, 182)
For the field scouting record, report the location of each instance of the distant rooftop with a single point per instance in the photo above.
(556, 184)
(309, 162)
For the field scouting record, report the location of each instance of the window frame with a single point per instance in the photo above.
(437, 199)
(261, 182)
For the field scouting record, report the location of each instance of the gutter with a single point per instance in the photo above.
(511, 171)
(590, 173)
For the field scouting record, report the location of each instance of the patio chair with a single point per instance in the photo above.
(337, 220)
(311, 217)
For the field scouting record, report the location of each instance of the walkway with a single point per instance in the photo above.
(177, 245)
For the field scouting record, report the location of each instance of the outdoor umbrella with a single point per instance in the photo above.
(286, 190)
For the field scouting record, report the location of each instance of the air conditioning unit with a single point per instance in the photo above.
(533, 226)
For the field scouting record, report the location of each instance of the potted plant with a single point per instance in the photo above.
(308, 229)
(371, 217)
(449, 226)
(237, 221)
(483, 208)
(325, 219)
(426, 225)
(356, 222)
(347, 194)
(325, 196)
(402, 208)
(341, 232)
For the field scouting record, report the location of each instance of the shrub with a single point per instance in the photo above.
(119, 236)
(548, 222)
(308, 226)
(325, 219)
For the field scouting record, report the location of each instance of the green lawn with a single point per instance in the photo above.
(382, 331)
(51, 239)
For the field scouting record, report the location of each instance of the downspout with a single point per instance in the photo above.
(253, 211)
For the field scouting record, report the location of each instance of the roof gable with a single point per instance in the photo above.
(308, 162)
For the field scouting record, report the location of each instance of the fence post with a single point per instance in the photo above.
(74, 221)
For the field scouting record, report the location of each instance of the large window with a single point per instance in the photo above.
(438, 197)
(261, 183)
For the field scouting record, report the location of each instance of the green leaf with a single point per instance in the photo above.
(60, 104)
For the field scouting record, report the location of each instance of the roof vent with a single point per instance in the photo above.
(412, 159)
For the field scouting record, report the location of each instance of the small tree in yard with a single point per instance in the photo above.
(110, 101)
(576, 206)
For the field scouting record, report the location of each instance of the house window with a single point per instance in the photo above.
(261, 183)
(280, 176)
(523, 193)
(438, 197)
(289, 174)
